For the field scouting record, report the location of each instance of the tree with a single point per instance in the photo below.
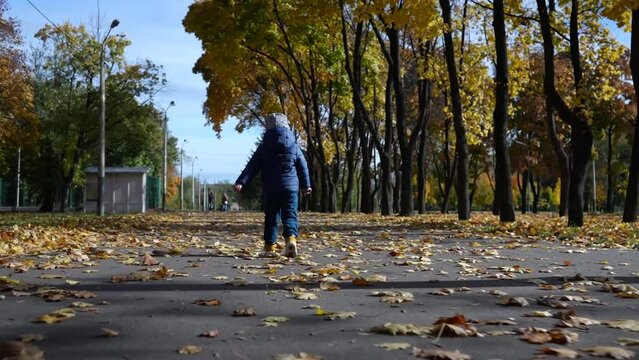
(503, 184)
(17, 116)
(581, 134)
(630, 209)
(66, 67)
(463, 207)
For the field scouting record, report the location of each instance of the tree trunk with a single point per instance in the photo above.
(523, 191)
(366, 205)
(398, 178)
(580, 134)
(385, 158)
(535, 186)
(562, 158)
(421, 172)
(582, 140)
(463, 208)
(630, 208)
(406, 200)
(347, 205)
(503, 184)
(610, 202)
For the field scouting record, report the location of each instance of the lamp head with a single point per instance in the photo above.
(115, 23)
(172, 103)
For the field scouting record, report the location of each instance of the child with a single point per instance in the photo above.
(284, 169)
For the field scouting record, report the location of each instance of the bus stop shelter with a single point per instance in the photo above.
(125, 190)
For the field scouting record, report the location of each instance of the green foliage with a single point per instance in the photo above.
(66, 67)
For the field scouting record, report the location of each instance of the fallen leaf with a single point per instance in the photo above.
(632, 325)
(513, 301)
(401, 329)
(32, 337)
(628, 342)
(341, 315)
(578, 322)
(109, 332)
(149, 260)
(394, 345)
(244, 312)
(360, 282)
(211, 333)
(329, 286)
(443, 292)
(17, 350)
(273, 321)
(535, 337)
(393, 297)
(190, 350)
(81, 304)
(304, 296)
(439, 354)
(56, 316)
(542, 314)
(560, 352)
(376, 278)
(610, 351)
(207, 302)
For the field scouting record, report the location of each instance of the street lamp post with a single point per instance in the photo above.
(193, 184)
(18, 179)
(164, 165)
(182, 177)
(199, 191)
(101, 170)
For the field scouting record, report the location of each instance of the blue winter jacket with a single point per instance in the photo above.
(281, 162)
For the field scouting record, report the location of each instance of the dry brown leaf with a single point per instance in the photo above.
(513, 301)
(535, 337)
(209, 302)
(439, 354)
(244, 312)
(149, 260)
(358, 281)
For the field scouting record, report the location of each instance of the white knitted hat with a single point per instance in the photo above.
(276, 119)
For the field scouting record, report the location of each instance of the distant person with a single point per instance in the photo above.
(225, 202)
(284, 172)
(211, 201)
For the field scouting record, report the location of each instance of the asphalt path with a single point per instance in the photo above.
(156, 318)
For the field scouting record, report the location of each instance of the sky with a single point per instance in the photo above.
(155, 29)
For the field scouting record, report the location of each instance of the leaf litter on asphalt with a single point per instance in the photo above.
(120, 239)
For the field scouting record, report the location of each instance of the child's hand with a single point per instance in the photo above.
(237, 188)
(307, 191)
